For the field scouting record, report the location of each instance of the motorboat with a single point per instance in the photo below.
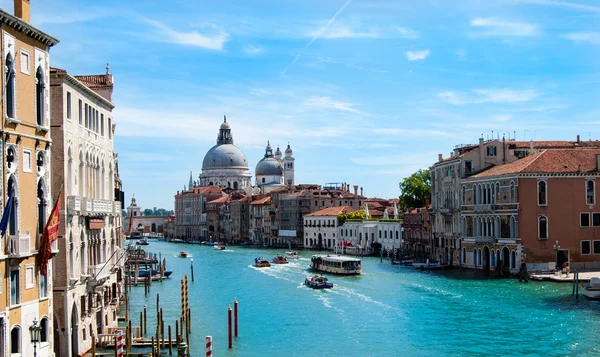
(184, 254)
(404, 261)
(427, 266)
(219, 247)
(155, 273)
(142, 241)
(591, 288)
(261, 263)
(336, 264)
(318, 281)
(280, 259)
(292, 255)
(176, 240)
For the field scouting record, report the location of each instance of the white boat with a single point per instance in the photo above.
(219, 247)
(591, 288)
(318, 281)
(292, 255)
(336, 264)
(427, 266)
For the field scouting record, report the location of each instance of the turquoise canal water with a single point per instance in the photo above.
(387, 311)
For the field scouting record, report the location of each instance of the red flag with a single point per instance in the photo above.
(49, 236)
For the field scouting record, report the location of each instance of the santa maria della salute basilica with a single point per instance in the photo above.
(225, 166)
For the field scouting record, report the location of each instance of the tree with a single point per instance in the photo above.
(353, 216)
(148, 212)
(414, 189)
(160, 212)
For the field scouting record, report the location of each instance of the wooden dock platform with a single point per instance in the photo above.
(565, 278)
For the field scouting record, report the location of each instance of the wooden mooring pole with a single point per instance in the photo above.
(170, 342)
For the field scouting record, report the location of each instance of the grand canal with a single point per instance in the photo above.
(387, 311)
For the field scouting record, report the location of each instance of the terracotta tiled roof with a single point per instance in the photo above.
(553, 144)
(262, 201)
(96, 80)
(331, 211)
(220, 200)
(57, 70)
(549, 161)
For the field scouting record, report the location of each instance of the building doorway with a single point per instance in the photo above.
(74, 332)
(153, 228)
(562, 256)
(320, 243)
(486, 259)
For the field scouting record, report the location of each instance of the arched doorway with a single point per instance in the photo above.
(57, 346)
(486, 259)
(153, 228)
(320, 244)
(505, 260)
(74, 332)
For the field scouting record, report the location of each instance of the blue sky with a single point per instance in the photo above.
(366, 92)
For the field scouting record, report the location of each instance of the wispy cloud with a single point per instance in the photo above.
(411, 132)
(69, 16)
(407, 33)
(417, 55)
(591, 37)
(192, 38)
(494, 27)
(564, 4)
(317, 35)
(413, 159)
(501, 117)
(374, 70)
(479, 96)
(253, 50)
(330, 103)
(339, 30)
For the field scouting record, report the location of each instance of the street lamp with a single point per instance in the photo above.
(34, 330)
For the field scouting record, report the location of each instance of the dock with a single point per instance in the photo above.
(564, 278)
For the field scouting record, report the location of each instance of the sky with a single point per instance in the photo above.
(365, 92)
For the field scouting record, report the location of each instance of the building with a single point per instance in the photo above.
(541, 210)
(225, 165)
(239, 228)
(89, 271)
(416, 226)
(25, 173)
(146, 225)
(321, 227)
(191, 211)
(269, 171)
(260, 219)
(359, 236)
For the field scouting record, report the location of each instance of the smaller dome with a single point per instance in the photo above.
(288, 151)
(269, 166)
(278, 152)
(225, 125)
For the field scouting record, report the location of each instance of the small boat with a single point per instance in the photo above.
(220, 247)
(145, 273)
(428, 266)
(261, 263)
(176, 240)
(591, 288)
(184, 254)
(404, 261)
(336, 264)
(280, 259)
(318, 281)
(142, 241)
(292, 255)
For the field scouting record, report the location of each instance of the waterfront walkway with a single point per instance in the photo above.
(565, 278)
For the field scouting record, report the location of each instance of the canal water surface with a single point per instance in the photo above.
(389, 310)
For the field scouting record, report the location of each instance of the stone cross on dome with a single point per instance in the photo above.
(107, 68)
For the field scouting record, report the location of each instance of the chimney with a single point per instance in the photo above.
(578, 139)
(440, 158)
(356, 189)
(361, 191)
(22, 10)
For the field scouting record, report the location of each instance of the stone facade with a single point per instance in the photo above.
(191, 212)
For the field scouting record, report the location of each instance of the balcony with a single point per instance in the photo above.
(446, 211)
(484, 239)
(99, 272)
(483, 208)
(18, 246)
(91, 206)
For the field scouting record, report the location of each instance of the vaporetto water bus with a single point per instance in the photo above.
(336, 264)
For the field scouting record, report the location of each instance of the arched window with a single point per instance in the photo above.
(464, 195)
(590, 195)
(474, 256)
(10, 86)
(13, 222)
(44, 330)
(512, 196)
(475, 194)
(464, 255)
(542, 193)
(497, 198)
(235, 185)
(513, 259)
(40, 87)
(396, 234)
(15, 340)
(41, 202)
(543, 227)
(513, 227)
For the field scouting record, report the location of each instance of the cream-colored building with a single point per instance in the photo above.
(89, 271)
(25, 173)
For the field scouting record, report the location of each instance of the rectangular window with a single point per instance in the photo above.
(87, 116)
(68, 105)
(584, 219)
(80, 112)
(26, 160)
(542, 193)
(29, 277)
(109, 128)
(43, 286)
(25, 65)
(596, 219)
(15, 287)
(585, 247)
(102, 124)
(597, 247)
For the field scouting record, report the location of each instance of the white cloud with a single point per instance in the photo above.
(491, 95)
(324, 102)
(417, 55)
(501, 117)
(192, 38)
(407, 33)
(494, 27)
(417, 159)
(591, 37)
(253, 50)
(564, 4)
(339, 30)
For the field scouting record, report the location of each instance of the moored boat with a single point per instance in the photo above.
(145, 273)
(219, 247)
(142, 241)
(318, 281)
(292, 255)
(591, 288)
(261, 263)
(336, 264)
(184, 254)
(280, 259)
(176, 240)
(427, 266)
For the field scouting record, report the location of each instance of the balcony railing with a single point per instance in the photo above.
(99, 272)
(484, 208)
(18, 246)
(87, 206)
(484, 239)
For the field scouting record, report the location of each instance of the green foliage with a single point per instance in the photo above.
(148, 212)
(161, 212)
(356, 216)
(414, 189)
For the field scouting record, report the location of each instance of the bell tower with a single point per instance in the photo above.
(288, 166)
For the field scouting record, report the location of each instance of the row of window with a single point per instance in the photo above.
(584, 219)
(89, 117)
(11, 87)
(587, 246)
(15, 336)
(15, 284)
(590, 193)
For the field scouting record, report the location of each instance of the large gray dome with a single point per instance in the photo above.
(268, 166)
(224, 156)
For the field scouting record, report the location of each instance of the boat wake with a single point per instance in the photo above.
(352, 292)
(271, 272)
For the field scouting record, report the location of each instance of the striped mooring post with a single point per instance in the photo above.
(120, 344)
(208, 346)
